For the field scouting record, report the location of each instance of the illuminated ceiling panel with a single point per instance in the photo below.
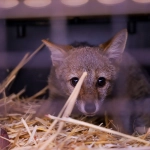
(110, 2)
(142, 1)
(37, 3)
(74, 2)
(8, 3)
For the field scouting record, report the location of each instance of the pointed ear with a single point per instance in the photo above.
(57, 53)
(114, 48)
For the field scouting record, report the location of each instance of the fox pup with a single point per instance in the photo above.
(114, 83)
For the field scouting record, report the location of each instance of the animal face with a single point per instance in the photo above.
(96, 86)
(101, 64)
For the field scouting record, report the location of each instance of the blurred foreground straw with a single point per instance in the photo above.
(13, 74)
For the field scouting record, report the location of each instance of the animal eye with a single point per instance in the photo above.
(74, 81)
(101, 82)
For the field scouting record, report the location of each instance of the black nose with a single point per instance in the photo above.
(90, 107)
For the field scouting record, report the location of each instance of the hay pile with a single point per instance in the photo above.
(59, 132)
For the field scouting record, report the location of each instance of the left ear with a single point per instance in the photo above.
(58, 54)
(114, 48)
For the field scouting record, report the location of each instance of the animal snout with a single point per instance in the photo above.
(90, 108)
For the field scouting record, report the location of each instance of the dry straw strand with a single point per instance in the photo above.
(68, 107)
(12, 75)
(28, 130)
(74, 121)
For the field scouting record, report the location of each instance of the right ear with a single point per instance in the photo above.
(114, 48)
(57, 53)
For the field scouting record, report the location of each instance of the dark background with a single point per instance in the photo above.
(22, 32)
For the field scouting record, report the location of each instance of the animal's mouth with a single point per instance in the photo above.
(90, 114)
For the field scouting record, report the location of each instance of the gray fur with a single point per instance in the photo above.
(124, 95)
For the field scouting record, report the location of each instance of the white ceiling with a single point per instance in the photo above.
(93, 7)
